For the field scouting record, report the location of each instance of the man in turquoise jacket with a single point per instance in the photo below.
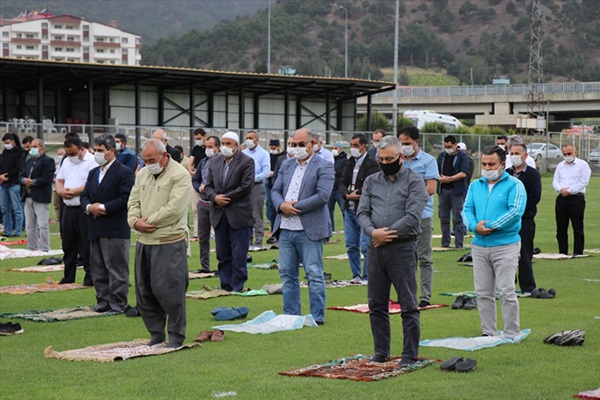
(493, 209)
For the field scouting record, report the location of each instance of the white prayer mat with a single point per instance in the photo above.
(557, 256)
(6, 252)
(269, 322)
(476, 343)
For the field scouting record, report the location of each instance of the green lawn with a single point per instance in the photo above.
(248, 364)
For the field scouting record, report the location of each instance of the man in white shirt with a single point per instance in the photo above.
(570, 181)
(322, 151)
(262, 170)
(70, 182)
(516, 139)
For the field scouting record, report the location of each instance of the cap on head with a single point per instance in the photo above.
(231, 135)
(274, 142)
(461, 146)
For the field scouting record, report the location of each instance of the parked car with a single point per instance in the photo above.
(538, 151)
(594, 158)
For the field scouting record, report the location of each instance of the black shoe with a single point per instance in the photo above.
(450, 364)
(424, 303)
(320, 323)
(466, 366)
(470, 304)
(114, 312)
(10, 329)
(155, 341)
(131, 312)
(102, 309)
(459, 303)
(404, 362)
(272, 240)
(379, 359)
(174, 345)
(63, 281)
(248, 258)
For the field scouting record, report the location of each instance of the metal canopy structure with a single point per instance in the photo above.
(91, 84)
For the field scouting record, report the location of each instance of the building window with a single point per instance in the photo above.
(29, 48)
(86, 49)
(29, 36)
(44, 36)
(58, 37)
(70, 38)
(44, 25)
(69, 27)
(124, 40)
(45, 48)
(112, 40)
(5, 45)
(19, 35)
(100, 39)
(58, 26)
(112, 61)
(58, 49)
(124, 51)
(5, 34)
(19, 47)
(112, 51)
(86, 39)
(99, 50)
(86, 27)
(70, 50)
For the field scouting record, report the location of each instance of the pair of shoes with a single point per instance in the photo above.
(205, 271)
(9, 328)
(566, 338)
(459, 364)
(356, 280)
(379, 359)
(114, 312)
(464, 303)
(50, 261)
(131, 312)
(542, 294)
(230, 314)
(213, 336)
(424, 303)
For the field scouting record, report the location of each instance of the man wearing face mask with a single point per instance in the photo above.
(197, 154)
(359, 167)
(70, 182)
(511, 141)
(104, 200)
(570, 180)
(501, 141)
(161, 135)
(493, 210)
(321, 151)
(425, 165)
(393, 249)
(275, 154)
(533, 186)
(228, 186)
(10, 199)
(340, 160)
(300, 196)
(158, 211)
(378, 134)
(453, 166)
(212, 144)
(289, 154)
(262, 171)
(125, 155)
(36, 179)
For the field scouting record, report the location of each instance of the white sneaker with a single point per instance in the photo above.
(356, 280)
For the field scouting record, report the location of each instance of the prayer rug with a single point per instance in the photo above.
(269, 322)
(112, 352)
(439, 236)
(340, 257)
(334, 241)
(201, 275)
(7, 243)
(62, 314)
(474, 295)
(336, 284)
(588, 395)
(394, 308)
(6, 252)
(439, 248)
(206, 293)
(359, 368)
(592, 250)
(39, 268)
(476, 343)
(270, 265)
(557, 256)
(250, 293)
(49, 286)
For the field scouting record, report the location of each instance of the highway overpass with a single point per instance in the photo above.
(497, 105)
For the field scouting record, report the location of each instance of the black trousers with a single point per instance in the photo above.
(527, 233)
(75, 243)
(570, 208)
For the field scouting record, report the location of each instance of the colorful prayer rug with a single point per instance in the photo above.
(112, 352)
(49, 286)
(39, 268)
(588, 395)
(336, 284)
(476, 343)
(62, 314)
(394, 308)
(359, 368)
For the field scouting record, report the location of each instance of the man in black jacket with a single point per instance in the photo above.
(339, 165)
(161, 135)
(36, 179)
(10, 197)
(359, 167)
(533, 185)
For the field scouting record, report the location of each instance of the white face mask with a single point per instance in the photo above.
(355, 152)
(210, 153)
(118, 146)
(301, 153)
(155, 168)
(408, 150)
(335, 153)
(199, 142)
(99, 158)
(74, 159)
(275, 152)
(569, 159)
(516, 161)
(449, 151)
(250, 143)
(227, 151)
(8, 146)
(502, 146)
(375, 144)
(291, 151)
(491, 175)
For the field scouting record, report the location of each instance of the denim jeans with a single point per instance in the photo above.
(269, 208)
(293, 247)
(451, 205)
(335, 197)
(10, 201)
(356, 242)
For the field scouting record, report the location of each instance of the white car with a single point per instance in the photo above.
(594, 158)
(538, 151)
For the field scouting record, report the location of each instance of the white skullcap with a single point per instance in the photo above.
(231, 135)
(461, 146)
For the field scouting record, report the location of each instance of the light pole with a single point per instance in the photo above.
(395, 107)
(345, 43)
(269, 39)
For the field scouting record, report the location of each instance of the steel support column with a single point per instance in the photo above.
(138, 115)
(286, 117)
(40, 108)
(161, 106)
(192, 113)
(256, 112)
(298, 112)
(327, 117)
(58, 112)
(211, 109)
(91, 110)
(369, 106)
(5, 100)
(339, 115)
(241, 110)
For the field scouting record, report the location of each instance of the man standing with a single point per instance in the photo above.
(70, 182)
(262, 170)
(501, 141)
(393, 249)
(104, 200)
(158, 207)
(10, 201)
(37, 180)
(376, 137)
(300, 196)
(228, 186)
(340, 160)
(463, 147)
(453, 166)
(161, 135)
(359, 167)
(125, 155)
(533, 186)
(322, 151)
(198, 152)
(275, 154)
(493, 210)
(289, 154)
(571, 178)
(212, 145)
(425, 165)
(511, 141)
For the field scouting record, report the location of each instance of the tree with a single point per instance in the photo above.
(378, 121)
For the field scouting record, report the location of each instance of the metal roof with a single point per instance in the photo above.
(21, 74)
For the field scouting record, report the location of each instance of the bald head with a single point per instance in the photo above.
(161, 135)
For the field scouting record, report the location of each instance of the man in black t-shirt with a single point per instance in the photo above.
(197, 154)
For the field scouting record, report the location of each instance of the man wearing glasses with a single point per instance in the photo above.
(301, 195)
(389, 211)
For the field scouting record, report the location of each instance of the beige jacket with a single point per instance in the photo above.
(164, 200)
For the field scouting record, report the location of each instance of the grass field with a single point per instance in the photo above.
(248, 364)
(423, 77)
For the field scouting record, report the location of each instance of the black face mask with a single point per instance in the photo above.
(391, 168)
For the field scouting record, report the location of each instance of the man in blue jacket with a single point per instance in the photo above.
(104, 200)
(493, 209)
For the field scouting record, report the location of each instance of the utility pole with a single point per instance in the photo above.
(395, 108)
(345, 43)
(535, 98)
(269, 38)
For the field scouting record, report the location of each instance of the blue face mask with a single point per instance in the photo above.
(34, 152)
